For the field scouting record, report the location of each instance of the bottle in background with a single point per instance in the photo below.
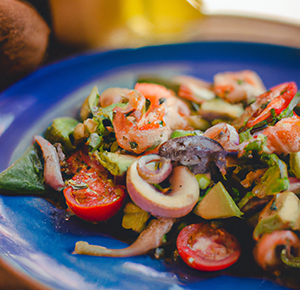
(117, 23)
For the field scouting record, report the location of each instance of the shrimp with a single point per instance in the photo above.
(225, 134)
(238, 86)
(136, 130)
(112, 96)
(176, 110)
(194, 89)
(265, 251)
(284, 137)
(140, 126)
(140, 134)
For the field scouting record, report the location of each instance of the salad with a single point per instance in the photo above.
(187, 167)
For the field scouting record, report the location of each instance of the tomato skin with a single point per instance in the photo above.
(219, 250)
(279, 98)
(98, 201)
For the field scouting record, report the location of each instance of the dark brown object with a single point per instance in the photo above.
(23, 40)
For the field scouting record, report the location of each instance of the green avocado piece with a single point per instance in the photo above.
(116, 163)
(217, 204)
(25, 176)
(295, 163)
(60, 131)
(182, 133)
(282, 212)
(273, 181)
(220, 109)
(91, 101)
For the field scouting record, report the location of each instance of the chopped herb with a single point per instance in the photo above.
(133, 145)
(161, 100)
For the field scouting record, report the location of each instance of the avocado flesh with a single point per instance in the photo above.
(60, 131)
(219, 109)
(90, 101)
(134, 217)
(25, 176)
(217, 204)
(117, 164)
(295, 163)
(281, 213)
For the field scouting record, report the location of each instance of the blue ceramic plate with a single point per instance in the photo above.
(35, 238)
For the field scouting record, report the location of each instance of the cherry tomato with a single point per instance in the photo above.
(277, 98)
(91, 195)
(204, 248)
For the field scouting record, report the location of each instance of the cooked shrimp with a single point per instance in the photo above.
(176, 111)
(138, 135)
(238, 86)
(265, 251)
(284, 137)
(112, 96)
(194, 89)
(225, 134)
(136, 130)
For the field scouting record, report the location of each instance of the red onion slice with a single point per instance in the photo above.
(52, 172)
(161, 170)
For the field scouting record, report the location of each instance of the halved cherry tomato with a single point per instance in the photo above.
(92, 197)
(277, 99)
(204, 248)
(91, 194)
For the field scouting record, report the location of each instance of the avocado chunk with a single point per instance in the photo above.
(220, 109)
(60, 131)
(91, 101)
(182, 133)
(134, 217)
(25, 176)
(217, 204)
(281, 213)
(116, 163)
(295, 163)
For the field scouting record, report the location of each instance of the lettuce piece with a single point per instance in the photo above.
(25, 176)
(275, 178)
(116, 163)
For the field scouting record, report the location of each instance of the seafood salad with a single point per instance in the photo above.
(182, 164)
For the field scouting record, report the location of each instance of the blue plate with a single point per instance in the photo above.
(35, 238)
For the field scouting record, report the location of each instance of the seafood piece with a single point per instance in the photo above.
(225, 134)
(265, 251)
(194, 89)
(176, 111)
(113, 96)
(52, 172)
(138, 135)
(284, 137)
(238, 86)
(136, 130)
(149, 239)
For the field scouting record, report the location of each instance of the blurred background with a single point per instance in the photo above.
(64, 28)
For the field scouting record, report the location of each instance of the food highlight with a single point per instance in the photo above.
(182, 155)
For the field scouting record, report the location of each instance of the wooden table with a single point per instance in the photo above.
(210, 29)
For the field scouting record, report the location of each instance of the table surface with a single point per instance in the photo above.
(210, 29)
